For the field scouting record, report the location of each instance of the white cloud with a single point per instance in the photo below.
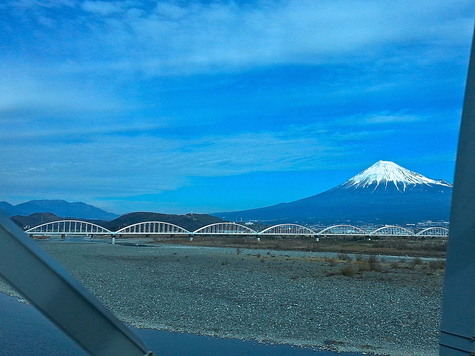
(125, 36)
(225, 35)
(387, 117)
(31, 4)
(106, 8)
(35, 89)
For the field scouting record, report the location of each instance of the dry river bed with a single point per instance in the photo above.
(277, 296)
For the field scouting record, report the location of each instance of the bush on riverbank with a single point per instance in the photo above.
(400, 247)
(348, 271)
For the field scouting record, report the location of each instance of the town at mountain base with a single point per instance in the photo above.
(385, 193)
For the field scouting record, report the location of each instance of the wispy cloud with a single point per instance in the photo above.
(152, 164)
(106, 8)
(127, 36)
(387, 117)
(149, 162)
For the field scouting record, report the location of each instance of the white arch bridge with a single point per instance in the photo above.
(65, 228)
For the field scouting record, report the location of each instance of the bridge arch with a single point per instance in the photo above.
(391, 230)
(153, 227)
(226, 228)
(434, 231)
(70, 227)
(342, 230)
(288, 229)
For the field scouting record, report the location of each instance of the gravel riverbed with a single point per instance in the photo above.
(283, 297)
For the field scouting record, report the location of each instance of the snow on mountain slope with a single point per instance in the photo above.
(385, 173)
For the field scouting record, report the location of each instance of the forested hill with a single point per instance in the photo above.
(190, 222)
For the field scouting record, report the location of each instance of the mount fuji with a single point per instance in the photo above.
(383, 193)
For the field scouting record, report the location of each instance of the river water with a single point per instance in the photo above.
(24, 331)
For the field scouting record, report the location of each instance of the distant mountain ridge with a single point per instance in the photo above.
(383, 193)
(60, 208)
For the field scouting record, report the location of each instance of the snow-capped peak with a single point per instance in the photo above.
(385, 172)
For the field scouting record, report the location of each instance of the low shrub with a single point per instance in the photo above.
(363, 266)
(394, 264)
(417, 261)
(373, 263)
(436, 264)
(348, 271)
(331, 261)
(344, 257)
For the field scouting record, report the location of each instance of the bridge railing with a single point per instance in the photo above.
(153, 228)
(339, 230)
(392, 230)
(288, 230)
(226, 228)
(69, 227)
(434, 231)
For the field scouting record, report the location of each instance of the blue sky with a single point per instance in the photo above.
(207, 106)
